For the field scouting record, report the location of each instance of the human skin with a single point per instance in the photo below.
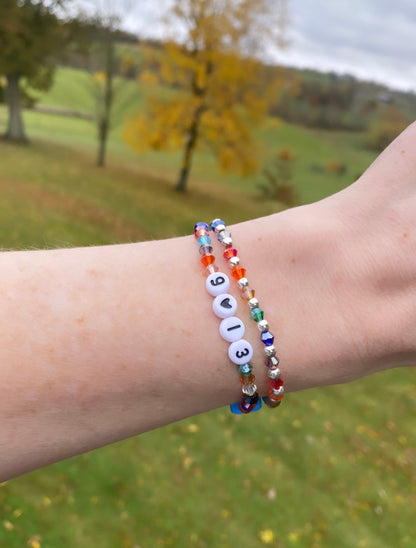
(102, 343)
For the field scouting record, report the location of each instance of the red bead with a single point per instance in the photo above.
(238, 272)
(276, 383)
(230, 252)
(207, 259)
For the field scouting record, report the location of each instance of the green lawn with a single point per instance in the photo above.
(331, 468)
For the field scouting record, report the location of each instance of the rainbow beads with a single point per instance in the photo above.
(224, 306)
(275, 382)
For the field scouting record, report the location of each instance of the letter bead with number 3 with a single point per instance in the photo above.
(240, 352)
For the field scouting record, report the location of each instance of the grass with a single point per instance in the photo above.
(332, 468)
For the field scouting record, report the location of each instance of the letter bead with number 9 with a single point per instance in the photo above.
(217, 283)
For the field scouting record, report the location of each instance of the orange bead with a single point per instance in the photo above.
(238, 272)
(247, 293)
(275, 398)
(247, 379)
(207, 259)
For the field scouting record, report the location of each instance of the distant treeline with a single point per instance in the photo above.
(333, 101)
(308, 97)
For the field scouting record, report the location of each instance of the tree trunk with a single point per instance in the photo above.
(190, 145)
(104, 121)
(102, 142)
(15, 128)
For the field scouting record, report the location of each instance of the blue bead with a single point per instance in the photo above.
(215, 223)
(203, 240)
(235, 408)
(203, 226)
(267, 338)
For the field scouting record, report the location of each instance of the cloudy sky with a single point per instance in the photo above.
(372, 39)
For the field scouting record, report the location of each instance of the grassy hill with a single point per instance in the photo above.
(314, 150)
(333, 467)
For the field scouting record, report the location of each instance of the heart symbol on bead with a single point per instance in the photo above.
(225, 303)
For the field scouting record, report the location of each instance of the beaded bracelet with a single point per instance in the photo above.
(232, 328)
(276, 388)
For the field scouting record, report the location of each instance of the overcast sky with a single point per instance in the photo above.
(371, 39)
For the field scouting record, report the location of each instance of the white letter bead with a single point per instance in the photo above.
(217, 283)
(240, 352)
(224, 305)
(232, 329)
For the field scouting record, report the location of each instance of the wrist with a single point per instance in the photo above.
(316, 311)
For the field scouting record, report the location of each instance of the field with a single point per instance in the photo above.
(332, 468)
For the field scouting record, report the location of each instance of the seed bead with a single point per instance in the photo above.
(263, 326)
(273, 373)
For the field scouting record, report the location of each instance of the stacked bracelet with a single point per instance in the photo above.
(276, 388)
(232, 328)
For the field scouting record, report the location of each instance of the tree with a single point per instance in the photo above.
(30, 35)
(216, 81)
(101, 33)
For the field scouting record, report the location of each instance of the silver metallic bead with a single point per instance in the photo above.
(227, 241)
(278, 392)
(274, 373)
(219, 228)
(249, 389)
(270, 351)
(253, 303)
(234, 261)
(263, 326)
(242, 283)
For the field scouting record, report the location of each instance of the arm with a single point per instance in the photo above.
(98, 344)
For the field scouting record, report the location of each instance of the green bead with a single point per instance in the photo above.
(245, 369)
(257, 315)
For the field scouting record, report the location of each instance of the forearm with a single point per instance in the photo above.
(98, 344)
(103, 343)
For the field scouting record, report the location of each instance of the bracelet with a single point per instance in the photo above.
(275, 382)
(232, 328)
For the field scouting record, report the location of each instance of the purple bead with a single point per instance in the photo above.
(272, 362)
(204, 249)
(267, 338)
(235, 408)
(248, 403)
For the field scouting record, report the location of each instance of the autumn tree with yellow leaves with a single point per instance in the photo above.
(216, 79)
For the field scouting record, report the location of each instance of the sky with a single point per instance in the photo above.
(370, 39)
